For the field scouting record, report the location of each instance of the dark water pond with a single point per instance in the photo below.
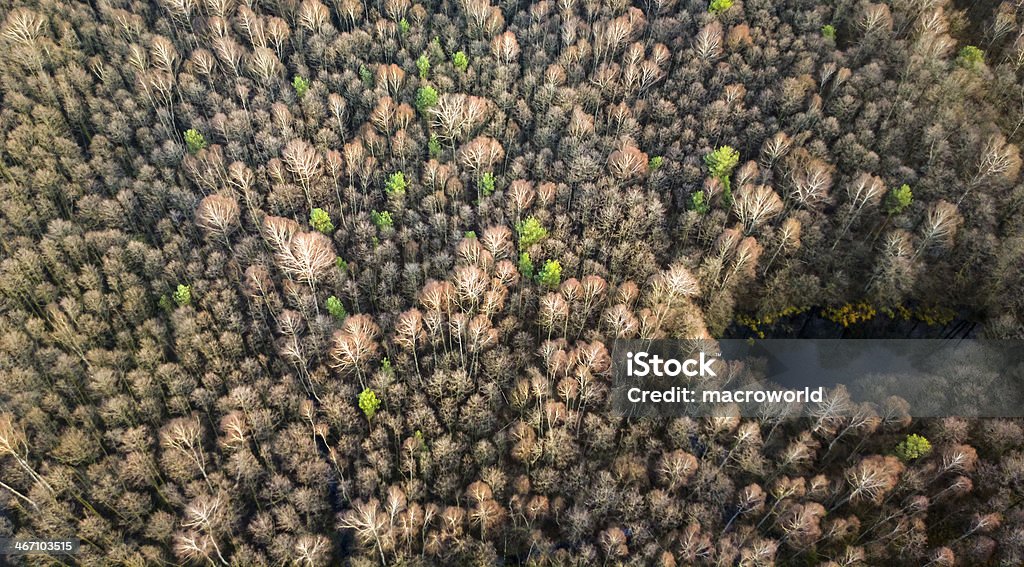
(812, 324)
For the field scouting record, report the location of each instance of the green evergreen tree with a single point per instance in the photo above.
(423, 65)
(320, 220)
(194, 141)
(365, 75)
(697, 203)
(183, 295)
(829, 31)
(913, 447)
(719, 6)
(426, 98)
(336, 309)
(530, 232)
(460, 60)
(720, 163)
(165, 303)
(301, 85)
(898, 199)
(525, 265)
(395, 185)
(487, 184)
(382, 219)
(551, 274)
(369, 403)
(970, 56)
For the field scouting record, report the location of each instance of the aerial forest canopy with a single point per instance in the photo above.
(330, 282)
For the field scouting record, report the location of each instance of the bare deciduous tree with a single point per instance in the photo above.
(627, 162)
(218, 216)
(312, 550)
(14, 443)
(865, 191)
(755, 205)
(457, 115)
(370, 524)
(355, 345)
(265, 66)
(311, 255)
(940, 225)
(390, 77)
(708, 45)
(873, 477)
(303, 161)
(314, 16)
(774, 149)
(808, 179)
(23, 26)
(621, 321)
(505, 48)
(185, 436)
(165, 56)
(520, 197)
(480, 155)
(998, 159)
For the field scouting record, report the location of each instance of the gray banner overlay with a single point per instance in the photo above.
(890, 378)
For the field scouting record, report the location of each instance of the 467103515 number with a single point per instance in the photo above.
(15, 546)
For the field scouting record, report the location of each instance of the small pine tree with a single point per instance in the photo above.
(426, 98)
(336, 309)
(898, 199)
(719, 6)
(341, 264)
(460, 60)
(525, 265)
(183, 295)
(970, 56)
(530, 232)
(365, 76)
(396, 184)
(404, 26)
(434, 147)
(720, 163)
(697, 203)
(487, 184)
(382, 219)
(829, 31)
(469, 234)
(656, 163)
(320, 220)
(423, 65)
(913, 447)
(551, 274)
(194, 141)
(301, 85)
(369, 403)
(165, 303)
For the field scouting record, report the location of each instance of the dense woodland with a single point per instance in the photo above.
(336, 281)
